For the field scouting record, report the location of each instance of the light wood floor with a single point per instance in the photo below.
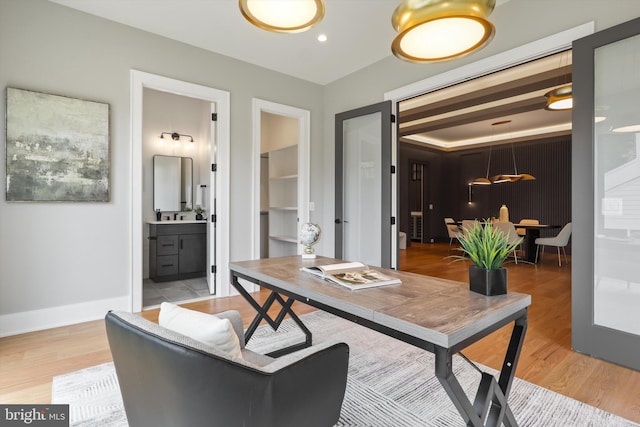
(28, 362)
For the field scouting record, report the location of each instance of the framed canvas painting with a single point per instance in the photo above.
(57, 148)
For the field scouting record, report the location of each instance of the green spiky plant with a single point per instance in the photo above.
(485, 246)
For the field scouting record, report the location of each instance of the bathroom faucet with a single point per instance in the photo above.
(175, 216)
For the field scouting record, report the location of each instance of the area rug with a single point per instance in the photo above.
(390, 384)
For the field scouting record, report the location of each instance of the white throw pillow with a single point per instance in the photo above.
(206, 328)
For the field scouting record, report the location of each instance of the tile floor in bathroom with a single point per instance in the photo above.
(154, 293)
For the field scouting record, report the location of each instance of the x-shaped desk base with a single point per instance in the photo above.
(490, 407)
(262, 314)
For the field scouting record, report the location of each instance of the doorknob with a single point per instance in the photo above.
(337, 221)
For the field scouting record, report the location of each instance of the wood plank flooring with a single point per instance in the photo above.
(28, 362)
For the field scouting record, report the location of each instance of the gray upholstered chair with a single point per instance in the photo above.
(560, 241)
(452, 229)
(168, 379)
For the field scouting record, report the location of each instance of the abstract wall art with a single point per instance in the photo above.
(57, 148)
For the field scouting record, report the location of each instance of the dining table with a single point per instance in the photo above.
(532, 232)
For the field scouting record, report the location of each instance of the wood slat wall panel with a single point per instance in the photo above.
(547, 198)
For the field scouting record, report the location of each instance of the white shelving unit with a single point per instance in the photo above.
(283, 201)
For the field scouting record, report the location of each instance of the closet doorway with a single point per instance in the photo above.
(281, 139)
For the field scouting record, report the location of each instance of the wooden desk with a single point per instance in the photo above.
(438, 315)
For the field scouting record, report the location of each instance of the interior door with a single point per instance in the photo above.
(363, 221)
(212, 220)
(606, 195)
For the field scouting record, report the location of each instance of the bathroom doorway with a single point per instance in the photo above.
(213, 175)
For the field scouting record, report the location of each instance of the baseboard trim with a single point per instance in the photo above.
(53, 317)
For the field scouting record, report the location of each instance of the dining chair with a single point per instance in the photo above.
(510, 231)
(468, 224)
(452, 229)
(523, 231)
(560, 241)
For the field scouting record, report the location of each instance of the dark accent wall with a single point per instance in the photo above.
(547, 198)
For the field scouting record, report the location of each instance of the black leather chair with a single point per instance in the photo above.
(168, 379)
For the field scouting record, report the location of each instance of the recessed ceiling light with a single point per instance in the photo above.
(322, 38)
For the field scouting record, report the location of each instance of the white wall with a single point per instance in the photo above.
(67, 262)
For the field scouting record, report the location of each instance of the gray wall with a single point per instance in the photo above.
(55, 255)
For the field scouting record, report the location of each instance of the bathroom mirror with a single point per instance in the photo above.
(172, 183)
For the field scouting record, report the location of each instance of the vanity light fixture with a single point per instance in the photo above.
(437, 30)
(175, 136)
(282, 16)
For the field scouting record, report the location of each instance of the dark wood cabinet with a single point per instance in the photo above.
(177, 251)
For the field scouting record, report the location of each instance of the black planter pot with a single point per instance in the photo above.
(199, 217)
(488, 282)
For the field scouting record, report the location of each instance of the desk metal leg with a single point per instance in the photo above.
(262, 314)
(491, 399)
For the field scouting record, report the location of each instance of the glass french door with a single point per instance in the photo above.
(606, 200)
(363, 220)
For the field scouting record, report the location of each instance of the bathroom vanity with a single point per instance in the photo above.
(177, 250)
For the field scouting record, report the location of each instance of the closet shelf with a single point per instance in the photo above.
(283, 208)
(287, 239)
(283, 177)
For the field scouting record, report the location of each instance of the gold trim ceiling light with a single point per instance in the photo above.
(283, 16)
(437, 30)
(560, 98)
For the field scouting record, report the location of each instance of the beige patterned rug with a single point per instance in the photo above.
(390, 384)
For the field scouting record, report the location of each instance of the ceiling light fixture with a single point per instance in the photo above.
(560, 98)
(498, 179)
(484, 180)
(282, 16)
(437, 30)
(176, 136)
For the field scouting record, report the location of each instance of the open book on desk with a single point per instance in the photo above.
(352, 275)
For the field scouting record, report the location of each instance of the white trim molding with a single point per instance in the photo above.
(222, 139)
(519, 55)
(53, 317)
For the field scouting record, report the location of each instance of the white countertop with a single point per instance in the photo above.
(178, 221)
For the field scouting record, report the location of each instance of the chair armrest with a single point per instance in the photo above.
(308, 386)
(236, 321)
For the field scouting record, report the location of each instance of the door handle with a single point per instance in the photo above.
(337, 221)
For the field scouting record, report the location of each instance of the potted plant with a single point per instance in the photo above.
(487, 248)
(199, 213)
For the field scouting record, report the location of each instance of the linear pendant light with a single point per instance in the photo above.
(437, 30)
(484, 180)
(282, 16)
(500, 178)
